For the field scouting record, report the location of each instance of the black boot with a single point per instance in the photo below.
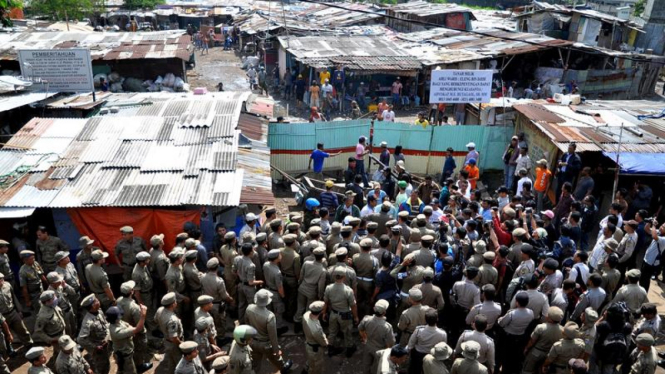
(286, 367)
(144, 367)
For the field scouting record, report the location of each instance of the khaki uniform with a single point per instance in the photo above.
(308, 246)
(432, 295)
(562, 351)
(171, 326)
(8, 309)
(71, 277)
(246, 271)
(6, 269)
(466, 366)
(634, 296)
(204, 347)
(274, 280)
(31, 277)
(351, 279)
(538, 303)
(123, 346)
(312, 285)
(144, 287)
(339, 298)
(39, 370)
(3, 350)
(132, 315)
(128, 250)
(434, 366)
(259, 257)
(290, 267)
(95, 333)
(331, 242)
(83, 259)
(379, 336)
(414, 275)
(381, 219)
(192, 278)
(213, 285)
(98, 280)
(175, 282)
(190, 367)
(644, 362)
(71, 325)
(411, 318)
(240, 359)
(611, 278)
(275, 241)
(49, 326)
(227, 254)
(366, 267)
(489, 309)
(354, 248)
(212, 331)
(316, 342)
(465, 294)
(46, 250)
(487, 274)
(424, 257)
(265, 345)
(159, 265)
(545, 335)
(72, 363)
(486, 355)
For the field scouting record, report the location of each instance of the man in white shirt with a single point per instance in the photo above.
(520, 183)
(389, 114)
(369, 208)
(651, 263)
(326, 89)
(628, 243)
(580, 267)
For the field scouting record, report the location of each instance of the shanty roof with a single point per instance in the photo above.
(539, 7)
(165, 151)
(597, 128)
(11, 101)
(427, 9)
(362, 53)
(102, 45)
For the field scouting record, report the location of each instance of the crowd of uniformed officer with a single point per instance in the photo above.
(415, 292)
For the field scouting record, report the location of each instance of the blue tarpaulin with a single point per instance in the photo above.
(640, 163)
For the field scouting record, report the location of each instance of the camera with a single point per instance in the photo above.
(528, 210)
(649, 220)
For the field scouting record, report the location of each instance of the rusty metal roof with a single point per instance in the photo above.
(427, 9)
(102, 45)
(136, 160)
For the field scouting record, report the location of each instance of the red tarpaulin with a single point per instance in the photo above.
(103, 224)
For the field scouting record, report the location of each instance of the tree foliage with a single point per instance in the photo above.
(142, 4)
(63, 9)
(5, 7)
(639, 8)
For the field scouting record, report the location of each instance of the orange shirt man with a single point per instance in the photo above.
(474, 173)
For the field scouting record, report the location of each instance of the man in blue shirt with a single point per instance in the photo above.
(318, 156)
(449, 166)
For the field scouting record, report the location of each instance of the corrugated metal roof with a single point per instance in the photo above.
(13, 101)
(136, 161)
(426, 9)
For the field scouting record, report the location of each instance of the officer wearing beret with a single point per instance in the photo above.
(190, 362)
(171, 326)
(175, 280)
(315, 338)
(47, 247)
(366, 267)
(342, 309)
(487, 273)
(122, 334)
(290, 267)
(377, 334)
(226, 256)
(50, 323)
(213, 285)
(62, 290)
(334, 237)
(71, 277)
(37, 360)
(31, 278)
(9, 305)
(371, 234)
(70, 359)
(346, 232)
(314, 241)
(98, 280)
(127, 249)
(542, 339)
(143, 288)
(94, 334)
(132, 315)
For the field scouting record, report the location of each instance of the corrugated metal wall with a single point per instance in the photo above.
(291, 144)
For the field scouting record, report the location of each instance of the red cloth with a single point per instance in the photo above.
(504, 238)
(103, 224)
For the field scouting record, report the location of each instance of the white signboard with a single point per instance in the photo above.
(461, 86)
(65, 70)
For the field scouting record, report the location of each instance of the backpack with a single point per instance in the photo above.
(564, 251)
(615, 347)
(515, 285)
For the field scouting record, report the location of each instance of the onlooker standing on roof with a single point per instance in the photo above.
(460, 113)
(569, 166)
(510, 161)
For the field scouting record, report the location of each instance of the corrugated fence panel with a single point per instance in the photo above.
(340, 134)
(409, 136)
(287, 136)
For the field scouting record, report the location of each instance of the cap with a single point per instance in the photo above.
(250, 217)
(402, 184)
(220, 363)
(314, 230)
(46, 296)
(168, 299)
(97, 255)
(202, 323)
(415, 294)
(212, 263)
(480, 247)
(190, 242)
(441, 351)
(555, 314)
(570, 330)
(384, 144)
(204, 300)
(421, 217)
(634, 273)
(289, 238)
(127, 287)
(366, 243)
(403, 214)
(428, 209)
(142, 256)
(346, 229)
(471, 347)
(489, 255)
(191, 254)
(519, 232)
(127, 230)
(400, 163)
(548, 213)
(53, 277)
(25, 253)
(329, 183)
(230, 235)
(59, 256)
(263, 297)
(644, 339)
(273, 254)
(471, 145)
(34, 353)
(261, 237)
(295, 217)
(88, 300)
(542, 161)
(66, 343)
(3, 243)
(176, 253)
(472, 161)
(319, 251)
(610, 244)
(427, 238)
(590, 315)
(85, 241)
(156, 240)
(317, 306)
(182, 235)
(188, 346)
(510, 212)
(293, 226)
(428, 273)
(381, 306)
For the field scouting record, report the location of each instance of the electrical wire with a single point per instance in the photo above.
(480, 33)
